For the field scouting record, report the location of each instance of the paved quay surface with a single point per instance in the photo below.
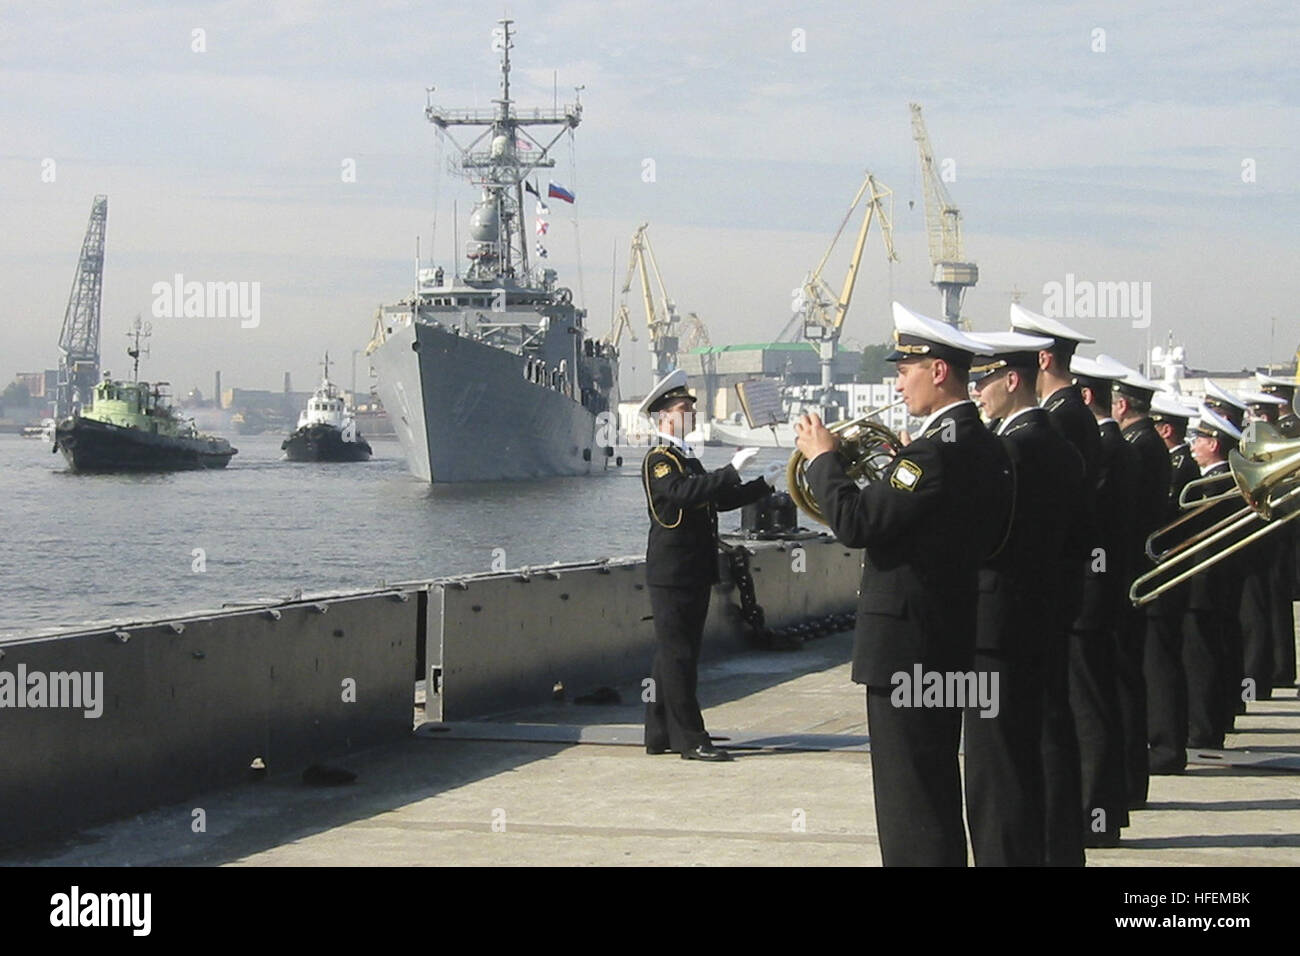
(441, 798)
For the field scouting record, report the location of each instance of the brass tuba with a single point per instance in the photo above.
(1266, 473)
(866, 446)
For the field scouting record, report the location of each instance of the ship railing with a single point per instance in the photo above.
(570, 114)
(485, 159)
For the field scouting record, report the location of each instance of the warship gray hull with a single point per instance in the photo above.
(465, 411)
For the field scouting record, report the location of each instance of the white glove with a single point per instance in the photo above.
(742, 457)
(773, 471)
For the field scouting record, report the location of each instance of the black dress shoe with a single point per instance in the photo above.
(1167, 769)
(706, 752)
(656, 751)
(1107, 839)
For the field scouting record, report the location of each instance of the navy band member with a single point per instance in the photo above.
(1273, 405)
(1267, 624)
(682, 565)
(1212, 599)
(1020, 624)
(1248, 625)
(1284, 388)
(1094, 644)
(1289, 425)
(1162, 665)
(939, 509)
(1131, 405)
(1055, 385)
(1062, 758)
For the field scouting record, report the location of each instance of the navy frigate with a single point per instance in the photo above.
(492, 374)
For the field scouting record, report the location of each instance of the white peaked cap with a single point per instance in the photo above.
(1001, 342)
(1022, 320)
(1263, 379)
(1169, 405)
(1259, 398)
(1223, 395)
(676, 379)
(1092, 368)
(915, 325)
(1210, 420)
(1130, 376)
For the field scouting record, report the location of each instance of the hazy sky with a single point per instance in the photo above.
(225, 165)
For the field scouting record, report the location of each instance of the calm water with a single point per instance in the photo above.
(82, 548)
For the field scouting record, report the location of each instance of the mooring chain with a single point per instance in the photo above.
(751, 612)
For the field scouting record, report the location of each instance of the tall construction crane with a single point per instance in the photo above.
(661, 319)
(952, 275)
(79, 340)
(697, 333)
(821, 311)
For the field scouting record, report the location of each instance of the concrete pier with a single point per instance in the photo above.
(451, 794)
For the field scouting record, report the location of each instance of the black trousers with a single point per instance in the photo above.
(1233, 670)
(1132, 691)
(1062, 765)
(916, 780)
(1094, 705)
(672, 715)
(1166, 688)
(1283, 611)
(1257, 620)
(1004, 765)
(1203, 655)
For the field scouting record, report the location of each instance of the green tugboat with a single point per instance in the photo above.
(131, 426)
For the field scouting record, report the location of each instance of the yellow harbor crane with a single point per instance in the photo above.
(661, 318)
(952, 275)
(821, 311)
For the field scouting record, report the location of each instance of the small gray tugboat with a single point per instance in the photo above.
(131, 426)
(327, 429)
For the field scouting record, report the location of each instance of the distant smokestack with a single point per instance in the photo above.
(216, 385)
(287, 389)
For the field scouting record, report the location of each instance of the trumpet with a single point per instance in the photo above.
(1265, 473)
(867, 446)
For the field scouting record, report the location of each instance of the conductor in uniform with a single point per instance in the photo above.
(682, 565)
(939, 509)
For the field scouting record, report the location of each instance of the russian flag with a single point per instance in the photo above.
(556, 191)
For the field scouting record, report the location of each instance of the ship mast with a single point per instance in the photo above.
(140, 330)
(494, 160)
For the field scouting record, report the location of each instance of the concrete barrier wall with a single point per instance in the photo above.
(189, 703)
(189, 711)
(500, 642)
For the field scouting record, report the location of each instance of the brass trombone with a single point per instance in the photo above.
(867, 447)
(1266, 477)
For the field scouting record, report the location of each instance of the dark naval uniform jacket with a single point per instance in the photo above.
(1105, 592)
(1217, 588)
(939, 509)
(1069, 416)
(1152, 504)
(1182, 469)
(1072, 418)
(1021, 589)
(683, 501)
